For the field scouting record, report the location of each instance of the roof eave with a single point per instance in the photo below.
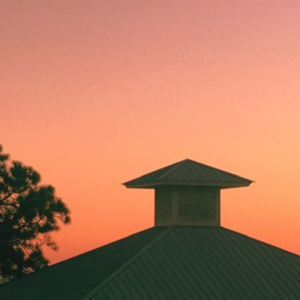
(154, 184)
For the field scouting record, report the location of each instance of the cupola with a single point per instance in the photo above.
(187, 193)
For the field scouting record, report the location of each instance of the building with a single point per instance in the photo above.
(186, 255)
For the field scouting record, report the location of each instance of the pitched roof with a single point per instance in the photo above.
(204, 263)
(169, 263)
(188, 172)
(74, 278)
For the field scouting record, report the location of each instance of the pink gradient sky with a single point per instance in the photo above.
(95, 93)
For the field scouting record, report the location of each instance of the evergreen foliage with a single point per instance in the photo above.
(29, 212)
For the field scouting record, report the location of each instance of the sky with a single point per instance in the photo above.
(95, 93)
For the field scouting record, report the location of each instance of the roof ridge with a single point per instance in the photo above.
(127, 263)
(175, 167)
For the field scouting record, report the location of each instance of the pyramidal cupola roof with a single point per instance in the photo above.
(188, 173)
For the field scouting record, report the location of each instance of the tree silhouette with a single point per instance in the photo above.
(29, 212)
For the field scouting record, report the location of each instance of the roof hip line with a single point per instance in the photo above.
(175, 167)
(127, 263)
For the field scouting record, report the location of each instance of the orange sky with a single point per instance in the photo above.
(95, 93)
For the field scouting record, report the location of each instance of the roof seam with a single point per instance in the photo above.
(127, 263)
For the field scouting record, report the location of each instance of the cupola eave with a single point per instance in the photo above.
(155, 184)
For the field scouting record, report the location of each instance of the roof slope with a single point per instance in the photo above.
(72, 279)
(188, 172)
(169, 263)
(205, 263)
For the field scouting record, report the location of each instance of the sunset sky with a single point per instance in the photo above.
(95, 93)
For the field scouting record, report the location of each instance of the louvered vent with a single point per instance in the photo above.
(187, 206)
(163, 206)
(197, 205)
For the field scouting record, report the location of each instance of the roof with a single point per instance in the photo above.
(188, 172)
(169, 263)
(83, 272)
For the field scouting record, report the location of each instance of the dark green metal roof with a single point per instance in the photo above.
(188, 172)
(205, 263)
(72, 279)
(169, 263)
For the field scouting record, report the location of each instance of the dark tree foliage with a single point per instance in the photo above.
(29, 212)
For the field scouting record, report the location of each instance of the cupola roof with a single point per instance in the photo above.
(188, 173)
